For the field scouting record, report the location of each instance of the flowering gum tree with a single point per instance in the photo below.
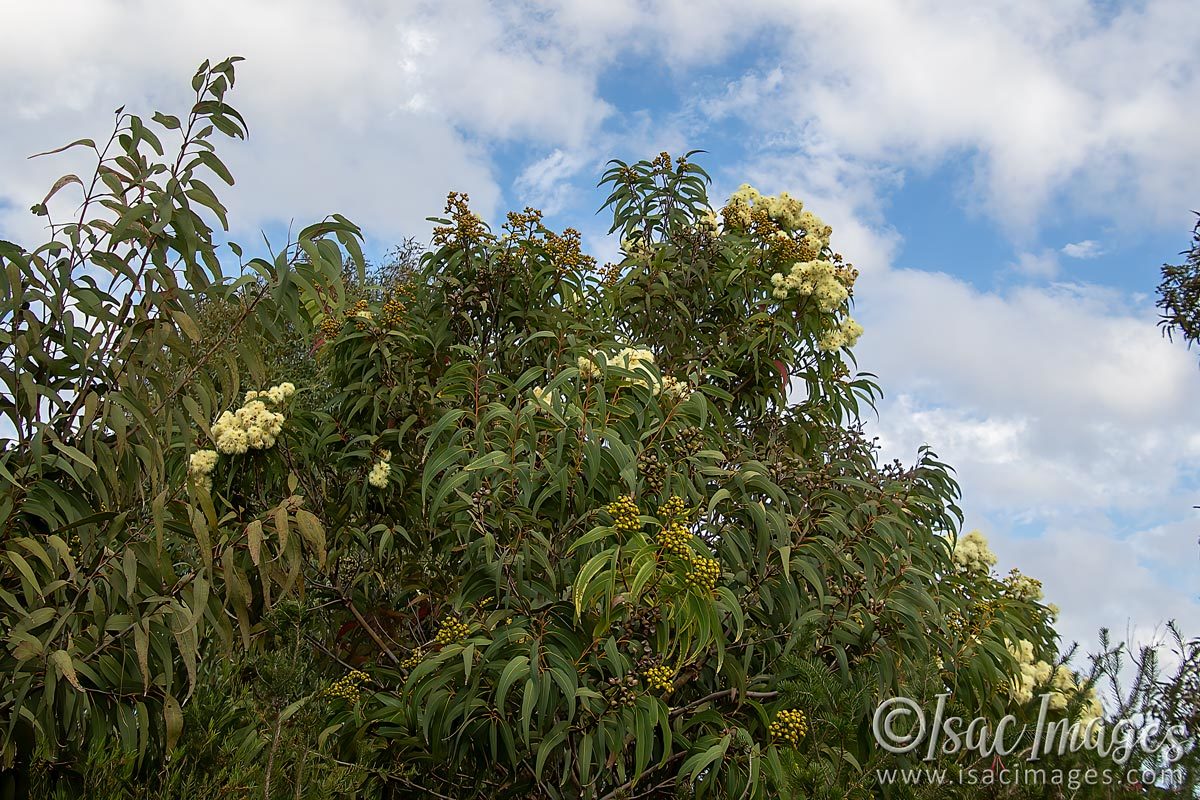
(547, 528)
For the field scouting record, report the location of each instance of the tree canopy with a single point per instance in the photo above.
(493, 520)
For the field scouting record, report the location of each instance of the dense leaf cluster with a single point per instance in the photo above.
(1179, 293)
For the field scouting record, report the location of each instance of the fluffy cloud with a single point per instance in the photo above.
(1112, 581)
(1054, 100)
(1042, 264)
(1088, 248)
(1066, 415)
(374, 110)
(1097, 406)
(1048, 99)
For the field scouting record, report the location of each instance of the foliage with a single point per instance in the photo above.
(555, 500)
(114, 577)
(1179, 293)
(486, 521)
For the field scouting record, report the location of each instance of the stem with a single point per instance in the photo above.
(370, 631)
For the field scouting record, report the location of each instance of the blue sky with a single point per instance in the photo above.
(1008, 176)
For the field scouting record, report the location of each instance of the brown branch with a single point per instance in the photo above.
(370, 631)
(629, 784)
(731, 693)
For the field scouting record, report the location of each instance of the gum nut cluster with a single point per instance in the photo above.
(689, 439)
(790, 726)
(362, 311)
(703, 573)
(254, 425)
(981, 615)
(393, 311)
(451, 630)
(348, 687)
(381, 471)
(624, 512)
(674, 538)
(622, 691)
(672, 508)
(956, 623)
(413, 658)
(659, 678)
(972, 554)
(330, 327)
(846, 334)
(200, 466)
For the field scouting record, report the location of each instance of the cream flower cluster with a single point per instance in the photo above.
(674, 388)
(1060, 683)
(588, 369)
(972, 553)
(543, 399)
(381, 471)
(818, 279)
(846, 334)
(254, 425)
(783, 209)
(630, 358)
(814, 226)
(200, 466)
(635, 360)
(1023, 587)
(1033, 672)
(637, 249)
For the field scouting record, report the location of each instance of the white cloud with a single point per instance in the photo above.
(1088, 248)
(1048, 101)
(1110, 583)
(747, 93)
(546, 183)
(1062, 410)
(373, 110)
(1042, 264)
(1105, 406)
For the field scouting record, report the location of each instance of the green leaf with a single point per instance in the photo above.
(62, 662)
(546, 747)
(173, 721)
(516, 668)
(312, 531)
(701, 761)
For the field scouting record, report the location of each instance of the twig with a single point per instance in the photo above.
(271, 758)
(371, 631)
(629, 784)
(329, 653)
(732, 693)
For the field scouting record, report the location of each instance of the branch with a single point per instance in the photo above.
(370, 631)
(731, 693)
